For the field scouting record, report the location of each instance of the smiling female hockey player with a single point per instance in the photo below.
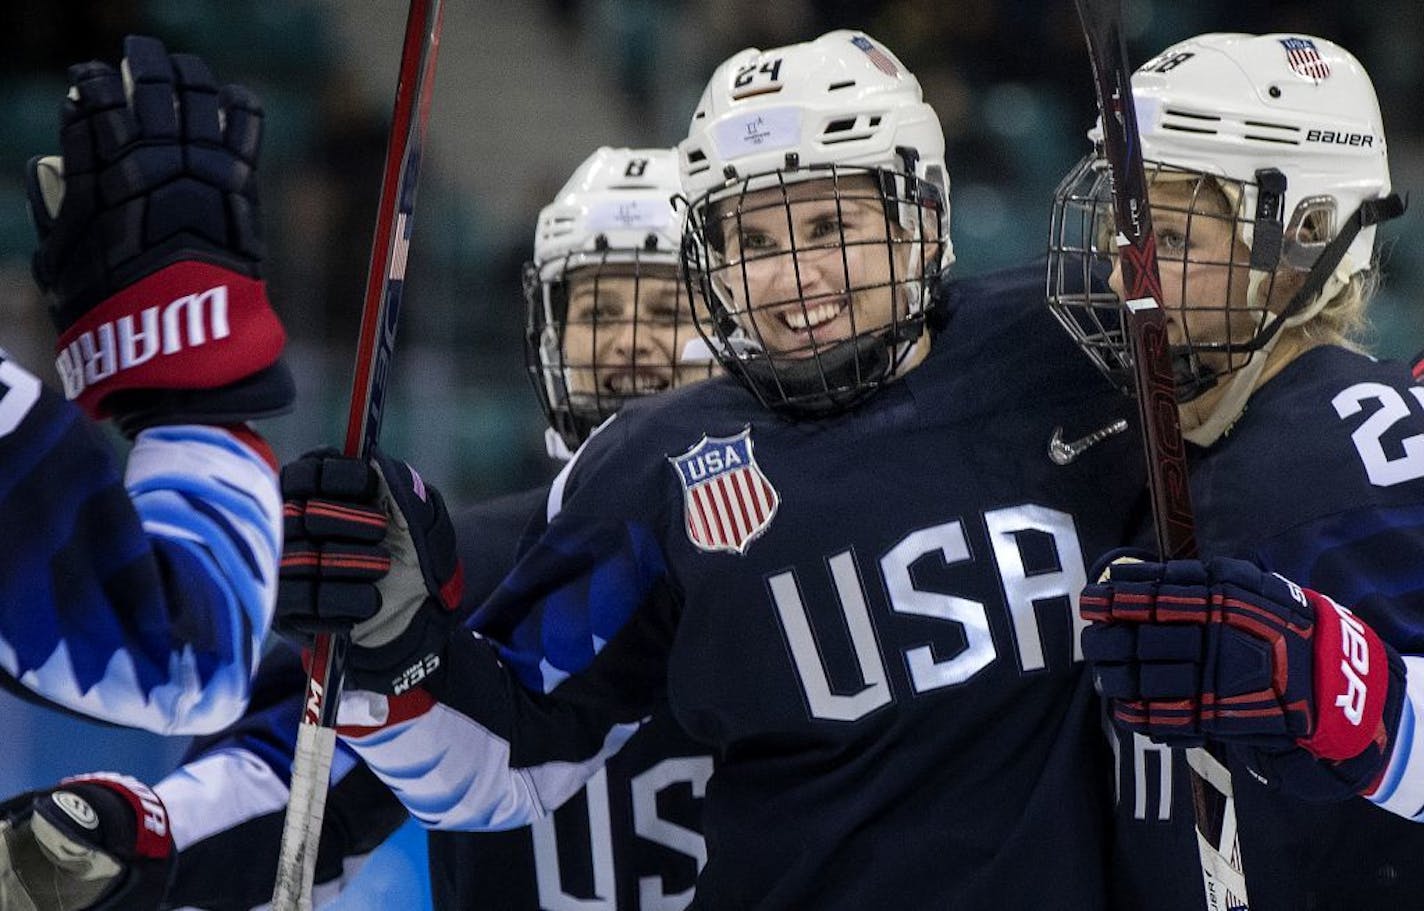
(1267, 173)
(850, 568)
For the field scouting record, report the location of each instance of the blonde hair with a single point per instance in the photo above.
(1342, 320)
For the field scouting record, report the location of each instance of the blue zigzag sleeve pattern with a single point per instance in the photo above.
(144, 603)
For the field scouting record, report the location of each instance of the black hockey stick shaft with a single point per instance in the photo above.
(380, 315)
(1218, 841)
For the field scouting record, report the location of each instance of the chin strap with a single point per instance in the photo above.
(1327, 278)
(1243, 382)
(555, 446)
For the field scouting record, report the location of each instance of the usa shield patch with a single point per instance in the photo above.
(727, 501)
(1305, 58)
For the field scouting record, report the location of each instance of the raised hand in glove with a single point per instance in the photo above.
(150, 245)
(1188, 651)
(369, 550)
(93, 841)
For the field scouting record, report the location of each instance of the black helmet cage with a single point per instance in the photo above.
(581, 388)
(816, 378)
(1082, 254)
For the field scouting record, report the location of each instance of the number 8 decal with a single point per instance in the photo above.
(1382, 469)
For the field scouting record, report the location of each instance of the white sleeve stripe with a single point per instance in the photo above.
(556, 489)
(453, 773)
(217, 792)
(1401, 790)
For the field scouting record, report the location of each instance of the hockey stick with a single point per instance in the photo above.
(385, 281)
(1218, 841)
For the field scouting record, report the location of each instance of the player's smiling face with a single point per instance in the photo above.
(805, 269)
(625, 329)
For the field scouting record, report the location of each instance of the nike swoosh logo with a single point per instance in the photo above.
(1062, 452)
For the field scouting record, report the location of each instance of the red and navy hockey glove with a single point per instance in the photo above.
(93, 841)
(1188, 651)
(150, 245)
(370, 550)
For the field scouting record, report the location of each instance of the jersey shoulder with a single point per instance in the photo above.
(489, 537)
(999, 346)
(1327, 436)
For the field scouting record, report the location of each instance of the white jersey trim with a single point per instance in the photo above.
(1401, 789)
(453, 773)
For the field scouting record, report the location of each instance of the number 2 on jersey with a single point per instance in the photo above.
(1383, 469)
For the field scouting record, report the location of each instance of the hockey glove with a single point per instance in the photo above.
(1187, 651)
(150, 245)
(94, 841)
(369, 550)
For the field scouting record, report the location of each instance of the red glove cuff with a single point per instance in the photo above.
(152, 838)
(1351, 683)
(191, 325)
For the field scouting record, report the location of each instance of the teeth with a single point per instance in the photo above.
(640, 383)
(811, 316)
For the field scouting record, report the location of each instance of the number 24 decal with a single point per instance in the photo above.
(1383, 469)
(745, 74)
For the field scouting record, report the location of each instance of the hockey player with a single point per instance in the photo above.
(1268, 171)
(141, 597)
(849, 568)
(605, 323)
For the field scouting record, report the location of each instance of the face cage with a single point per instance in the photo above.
(815, 378)
(620, 343)
(1211, 338)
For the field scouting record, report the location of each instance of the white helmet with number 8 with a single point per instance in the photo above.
(607, 313)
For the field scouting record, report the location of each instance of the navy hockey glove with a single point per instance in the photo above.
(150, 245)
(369, 550)
(1187, 651)
(93, 841)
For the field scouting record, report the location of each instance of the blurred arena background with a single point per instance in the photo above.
(524, 92)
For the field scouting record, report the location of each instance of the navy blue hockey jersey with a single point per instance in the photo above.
(140, 597)
(632, 840)
(1322, 481)
(871, 617)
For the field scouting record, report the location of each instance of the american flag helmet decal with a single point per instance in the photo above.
(1305, 58)
(882, 60)
(727, 501)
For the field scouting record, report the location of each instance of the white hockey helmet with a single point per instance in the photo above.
(614, 216)
(842, 99)
(1233, 105)
(837, 107)
(1289, 129)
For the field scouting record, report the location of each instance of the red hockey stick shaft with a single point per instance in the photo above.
(1218, 841)
(385, 282)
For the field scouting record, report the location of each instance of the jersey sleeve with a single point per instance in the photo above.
(142, 598)
(1371, 559)
(229, 799)
(570, 660)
